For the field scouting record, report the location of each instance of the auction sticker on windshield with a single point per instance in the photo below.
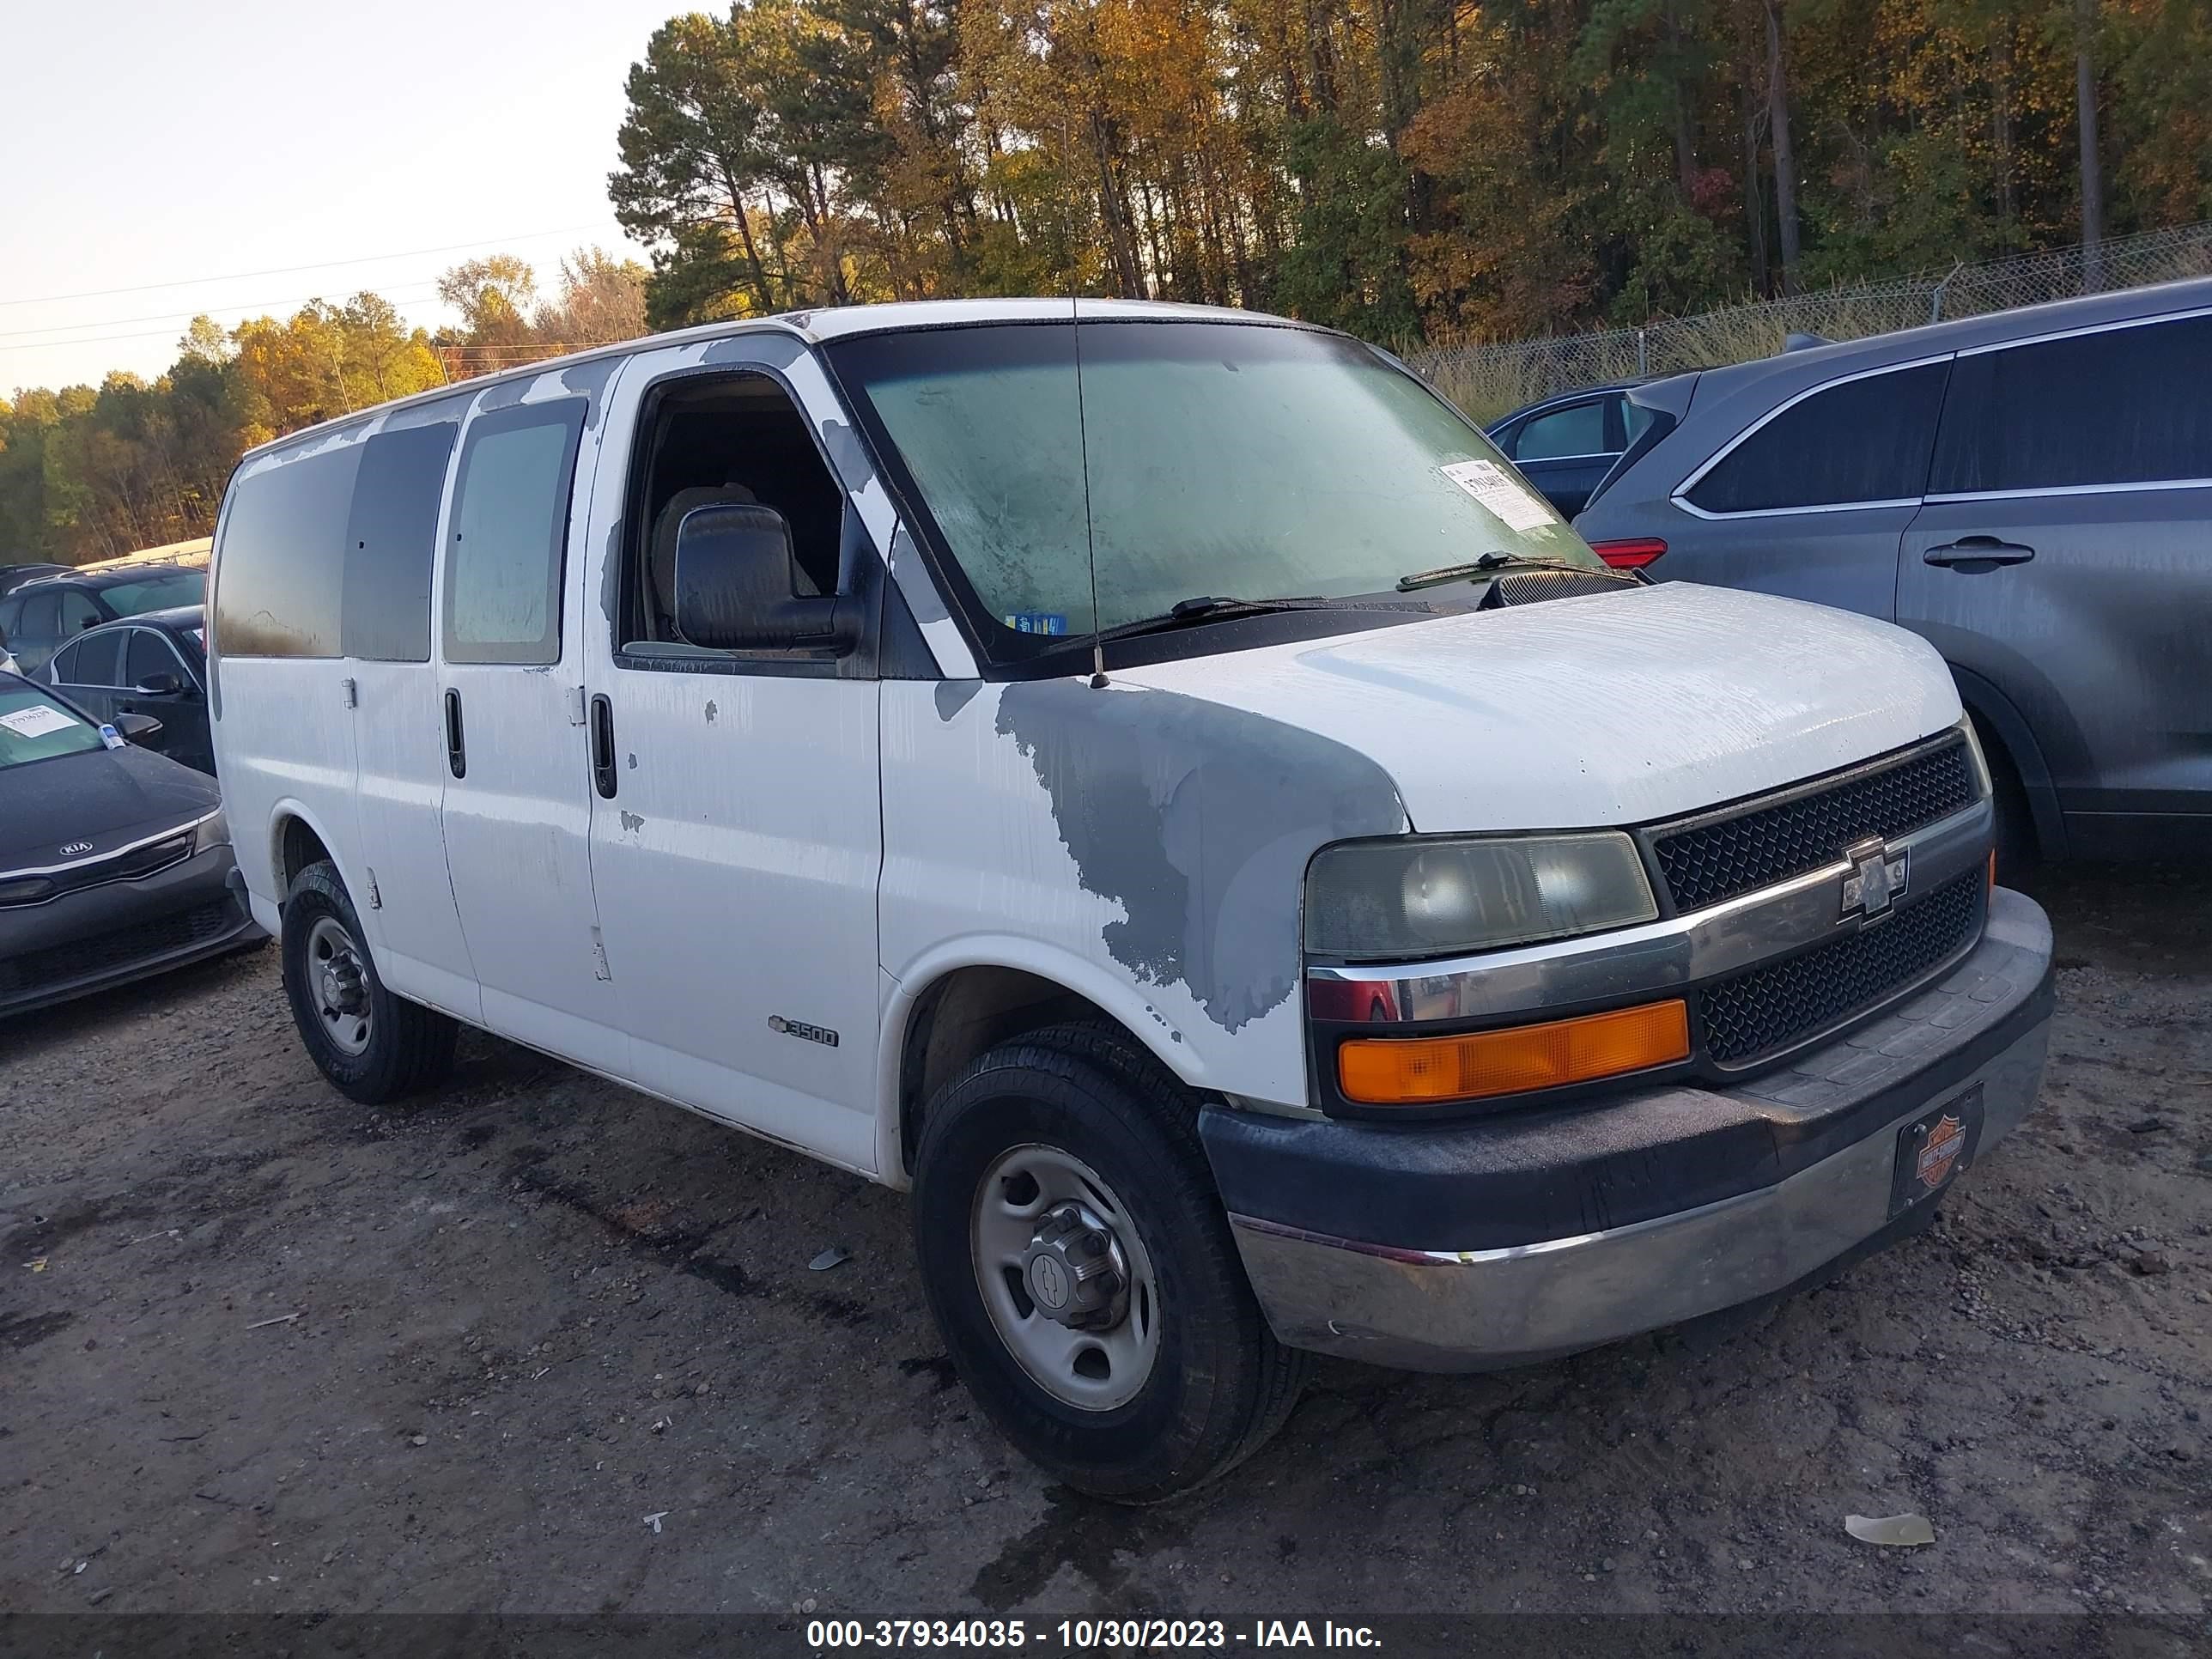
(1518, 508)
(38, 720)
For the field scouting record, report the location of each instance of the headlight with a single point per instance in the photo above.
(1385, 901)
(213, 830)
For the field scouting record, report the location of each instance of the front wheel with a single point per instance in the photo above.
(372, 1046)
(1076, 1257)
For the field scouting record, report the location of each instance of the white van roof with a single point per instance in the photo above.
(817, 327)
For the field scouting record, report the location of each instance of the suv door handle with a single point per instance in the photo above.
(457, 749)
(1972, 553)
(603, 747)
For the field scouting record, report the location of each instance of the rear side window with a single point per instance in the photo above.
(280, 567)
(1863, 440)
(391, 541)
(2123, 406)
(510, 522)
(91, 661)
(1576, 430)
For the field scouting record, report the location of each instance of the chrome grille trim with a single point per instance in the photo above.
(1791, 915)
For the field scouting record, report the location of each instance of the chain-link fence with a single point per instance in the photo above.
(1487, 381)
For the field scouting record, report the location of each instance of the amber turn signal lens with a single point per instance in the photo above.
(1417, 1071)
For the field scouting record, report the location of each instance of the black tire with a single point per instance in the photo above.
(408, 1048)
(1221, 1384)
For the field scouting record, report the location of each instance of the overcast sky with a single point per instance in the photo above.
(199, 154)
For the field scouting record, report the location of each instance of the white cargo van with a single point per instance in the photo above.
(1154, 781)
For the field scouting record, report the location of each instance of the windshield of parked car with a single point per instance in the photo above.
(157, 592)
(35, 727)
(1188, 458)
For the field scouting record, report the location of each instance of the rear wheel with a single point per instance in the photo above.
(372, 1046)
(1077, 1259)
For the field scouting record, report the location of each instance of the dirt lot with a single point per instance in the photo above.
(531, 1314)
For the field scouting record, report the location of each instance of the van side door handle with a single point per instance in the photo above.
(1974, 553)
(603, 747)
(457, 749)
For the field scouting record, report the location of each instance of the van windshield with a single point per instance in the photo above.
(1233, 459)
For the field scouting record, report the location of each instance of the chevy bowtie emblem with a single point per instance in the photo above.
(1876, 879)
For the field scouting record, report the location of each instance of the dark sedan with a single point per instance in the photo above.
(38, 617)
(1565, 445)
(154, 664)
(114, 862)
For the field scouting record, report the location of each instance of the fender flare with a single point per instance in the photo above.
(1996, 714)
(1120, 1000)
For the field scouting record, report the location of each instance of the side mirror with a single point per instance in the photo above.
(137, 728)
(158, 685)
(734, 589)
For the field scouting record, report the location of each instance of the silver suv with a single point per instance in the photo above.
(2031, 492)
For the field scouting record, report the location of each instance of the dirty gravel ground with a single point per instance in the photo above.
(536, 1308)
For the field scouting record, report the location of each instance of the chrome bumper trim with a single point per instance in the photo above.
(1486, 1309)
(1662, 955)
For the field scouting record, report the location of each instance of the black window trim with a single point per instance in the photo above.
(572, 412)
(764, 664)
(1680, 495)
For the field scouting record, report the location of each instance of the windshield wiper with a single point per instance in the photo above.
(1212, 607)
(1490, 562)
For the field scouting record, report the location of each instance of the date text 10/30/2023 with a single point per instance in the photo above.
(1086, 1635)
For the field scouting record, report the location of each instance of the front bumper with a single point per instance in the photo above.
(1480, 1245)
(98, 936)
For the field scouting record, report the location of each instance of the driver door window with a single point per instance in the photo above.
(723, 441)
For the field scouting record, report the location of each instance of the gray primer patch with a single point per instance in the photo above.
(430, 413)
(505, 395)
(711, 711)
(847, 453)
(768, 348)
(953, 695)
(610, 576)
(914, 580)
(633, 761)
(1199, 819)
(591, 379)
(631, 820)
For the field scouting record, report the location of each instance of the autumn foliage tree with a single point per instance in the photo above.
(1405, 168)
(89, 472)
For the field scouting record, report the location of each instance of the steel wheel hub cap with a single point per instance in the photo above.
(339, 983)
(1075, 1270)
(1064, 1277)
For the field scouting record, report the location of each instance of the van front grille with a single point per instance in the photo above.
(1713, 860)
(1765, 1010)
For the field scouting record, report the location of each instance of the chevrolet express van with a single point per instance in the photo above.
(1157, 784)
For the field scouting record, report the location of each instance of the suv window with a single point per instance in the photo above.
(163, 592)
(1862, 441)
(510, 523)
(2120, 407)
(283, 549)
(1579, 429)
(392, 540)
(78, 612)
(42, 617)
